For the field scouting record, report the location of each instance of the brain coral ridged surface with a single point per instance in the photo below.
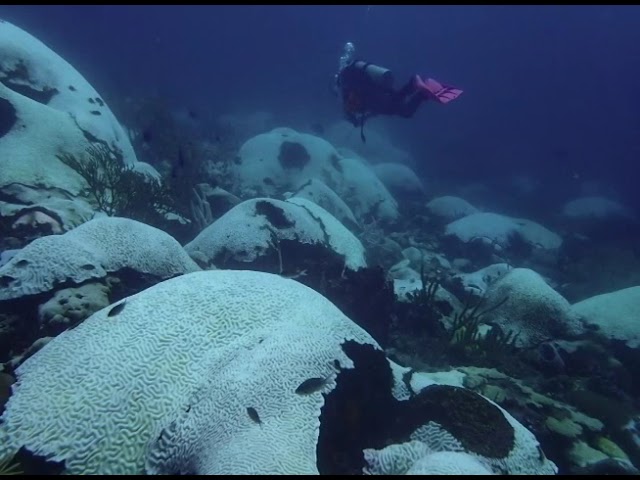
(99, 395)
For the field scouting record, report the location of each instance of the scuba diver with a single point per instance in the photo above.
(367, 90)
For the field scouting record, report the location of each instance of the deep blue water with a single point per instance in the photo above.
(550, 91)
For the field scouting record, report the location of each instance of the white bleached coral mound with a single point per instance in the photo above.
(102, 245)
(111, 394)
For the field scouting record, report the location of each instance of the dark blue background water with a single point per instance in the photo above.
(550, 91)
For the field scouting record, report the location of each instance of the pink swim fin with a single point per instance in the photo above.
(438, 91)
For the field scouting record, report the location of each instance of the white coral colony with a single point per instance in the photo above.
(222, 372)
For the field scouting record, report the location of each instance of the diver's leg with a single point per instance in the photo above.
(408, 88)
(409, 106)
(408, 99)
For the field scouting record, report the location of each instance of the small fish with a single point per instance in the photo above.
(117, 309)
(311, 385)
(253, 415)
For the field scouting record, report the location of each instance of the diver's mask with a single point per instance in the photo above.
(348, 53)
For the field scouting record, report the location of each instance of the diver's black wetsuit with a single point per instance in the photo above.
(363, 97)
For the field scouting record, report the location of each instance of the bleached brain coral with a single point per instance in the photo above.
(365, 193)
(398, 177)
(230, 363)
(241, 372)
(90, 251)
(614, 314)
(33, 70)
(257, 227)
(394, 459)
(485, 437)
(336, 235)
(416, 458)
(319, 193)
(264, 405)
(450, 207)
(500, 231)
(47, 108)
(528, 306)
(281, 160)
(448, 463)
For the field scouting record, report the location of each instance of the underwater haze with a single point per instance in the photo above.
(551, 91)
(334, 240)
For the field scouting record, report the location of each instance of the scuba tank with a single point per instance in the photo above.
(380, 75)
